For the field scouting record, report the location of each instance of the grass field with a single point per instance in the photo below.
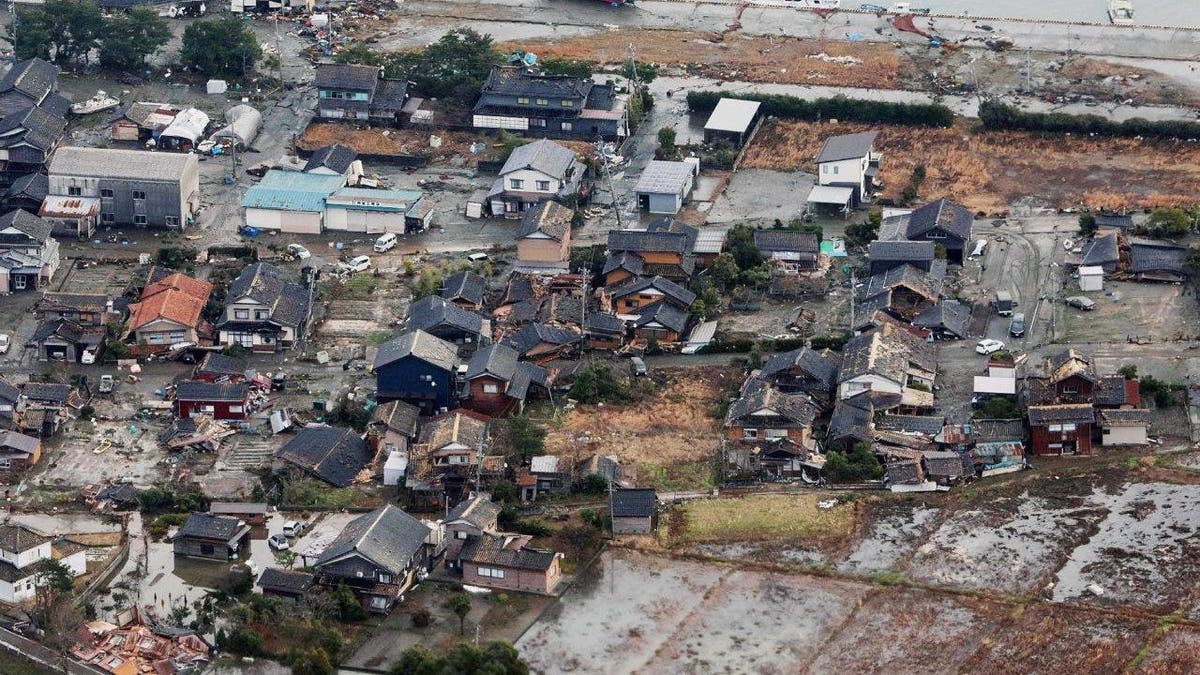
(763, 517)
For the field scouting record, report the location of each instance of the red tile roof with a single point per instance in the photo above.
(171, 304)
(180, 282)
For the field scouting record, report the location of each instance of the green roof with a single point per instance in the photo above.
(292, 191)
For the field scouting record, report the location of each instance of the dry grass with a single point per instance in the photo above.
(737, 56)
(988, 171)
(764, 517)
(671, 426)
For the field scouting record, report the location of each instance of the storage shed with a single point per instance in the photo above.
(289, 201)
(731, 120)
(633, 510)
(185, 131)
(243, 125)
(1091, 278)
(664, 186)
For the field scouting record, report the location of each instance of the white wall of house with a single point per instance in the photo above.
(164, 332)
(844, 172)
(357, 220)
(1131, 435)
(867, 382)
(13, 592)
(531, 181)
(295, 222)
(498, 122)
(76, 562)
(26, 558)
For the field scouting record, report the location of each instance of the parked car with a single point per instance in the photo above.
(5, 343)
(988, 346)
(278, 542)
(88, 357)
(106, 384)
(638, 366)
(1081, 302)
(299, 251)
(385, 243)
(359, 263)
(1016, 327)
(293, 528)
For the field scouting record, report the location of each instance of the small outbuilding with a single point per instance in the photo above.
(185, 131)
(664, 186)
(243, 123)
(633, 510)
(732, 120)
(208, 536)
(1091, 278)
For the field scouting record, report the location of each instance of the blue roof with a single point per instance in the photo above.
(367, 199)
(292, 191)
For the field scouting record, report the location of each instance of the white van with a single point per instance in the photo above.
(385, 243)
(477, 257)
(293, 528)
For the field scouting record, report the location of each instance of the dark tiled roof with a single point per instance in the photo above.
(519, 288)
(336, 158)
(517, 81)
(951, 316)
(1057, 414)
(18, 538)
(624, 260)
(346, 76)
(23, 221)
(333, 454)
(915, 251)
(53, 301)
(464, 285)
(33, 77)
(285, 581)
(852, 418)
(1110, 390)
(904, 472)
(217, 363)
(194, 390)
(418, 343)
(490, 549)
(1156, 256)
(389, 98)
(1114, 220)
(1125, 417)
(454, 427)
(34, 186)
(1070, 363)
(266, 284)
(432, 311)
(817, 365)
(64, 329)
(987, 431)
(847, 146)
(943, 213)
(386, 536)
(548, 217)
(913, 424)
(646, 241)
(401, 417)
(680, 295)
(786, 241)
(605, 324)
(498, 360)
(928, 284)
(206, 526)
(943, 464)
(664, 314)
(1101, 250)
(758, 395)
(633, 503)
(537, 333)
(478, 511)
(47, 392)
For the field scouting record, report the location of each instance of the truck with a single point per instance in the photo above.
(1004, 303)
(106, 384)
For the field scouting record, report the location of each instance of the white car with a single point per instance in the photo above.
(988, 346)
(5, 343)
(360, 263)
(278, 542)
(299, 251)
(88, 357)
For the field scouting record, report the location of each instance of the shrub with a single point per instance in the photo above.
(421, 617)
(594, 484)
(856, 465)
(597, 383)
(1000, 116)
(243, 642)
(534, 528)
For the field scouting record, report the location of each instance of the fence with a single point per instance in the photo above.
(43, 655)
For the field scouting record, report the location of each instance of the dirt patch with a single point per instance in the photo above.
(894, 532)
(673, 425)
(410, 142)
(759, 517)
(1176, 651)
(784, 60)
(987, 171)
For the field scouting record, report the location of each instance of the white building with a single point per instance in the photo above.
(1091, 278)
(1127, 426)
(664, 186)
(290, 201)
(535, 172)
(21, 549)
(377, 211)
(846, 167)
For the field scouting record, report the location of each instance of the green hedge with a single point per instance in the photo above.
(1000, 116)
(838, 107)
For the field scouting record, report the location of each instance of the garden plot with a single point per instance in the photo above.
(894, 534)
(1008, 545)
(1047, 639)
(1144, 553)
(905, 630)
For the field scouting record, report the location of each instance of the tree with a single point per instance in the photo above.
(596, 383)
(525, 437)
(55, 610)
(62, 30)
(861, 234)
(1169, 222)
(724, 271)
(347, 604)
(131, 37)
(455, 66)
(505, 491)
(999, 408)
(311, 662)
(220, 47)
(856, 465)
(492, 658)
(666, 143)
(740, 240)
(460, 604)
(756, 356)
(1191, 260)
(1128, 371)
(572, 67)
(1087, 224)
(361, 54)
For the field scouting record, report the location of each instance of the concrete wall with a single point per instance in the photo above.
(629, 525)
(1111, 436)
(295, 222)
(371, 222)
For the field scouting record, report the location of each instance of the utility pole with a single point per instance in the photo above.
(608, 178)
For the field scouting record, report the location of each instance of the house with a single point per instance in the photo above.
(358, 93)
(217, 367)
(32, 116)
(85, 309)
(544, 239)
(548, 477)
(603, 331)
(942, 222)
(1123, 426)
(1071, 377)
(333, 454)
(885, 255)
(44, 406)
(335, 160)
(22, 549)
(252, 513)
(605, 467)
(537, 172)
(28, 254)
(207, 536)
(291, 586)
(169, 312)
(903, 472)
(632, 510)
(947, 320)
(144, 189)
(379, 555)
(1117, 391)
(453, 441)
(18, 452)
(28, 192)
(290, 201)
(731, 121)
(1101, 251)
(1091, 278)
(945, 467)
(664, 250)
(632, 298)
(264, 311)
(503, 561)
(375, 211)
(1061, 429)
(521, 99)
(498, 382)
(420, 369)
(472, 517)
(395, 424)
(849, 161)
(999, 445)
(664, 186)
(661, 321)
(142, 120)
(889, 361)
(66, 341)
(447, 321)
(903, 292)
(803, 371)
(224, 401)
(541, 343)
(184, 131)
(10, 398)
(793, 251)
(763, 413)
(1153, 260)
(465, 289)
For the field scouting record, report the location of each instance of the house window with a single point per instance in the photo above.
(935, 235)
(207, 549)
(378, 602)
(236, 409)
(776, 433)
(516, 183)
(491, 572)
(172, 221)
(566, 126)
(241, 314)
(19, 282)
(385, 578)
(75, 191)
(460, 534)
(106, 193)
(138, 194)
(108, 217)
(825, 168)
(835, 169)
(543, 101)
(262, 314)
(543, 186)
(567, 103)
(244, 339)
(534, 122)
(523, 100)
(1068, 389)
(491, 389)
(425, 378)
(139, 219)
(749, 433)
(156, 339)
